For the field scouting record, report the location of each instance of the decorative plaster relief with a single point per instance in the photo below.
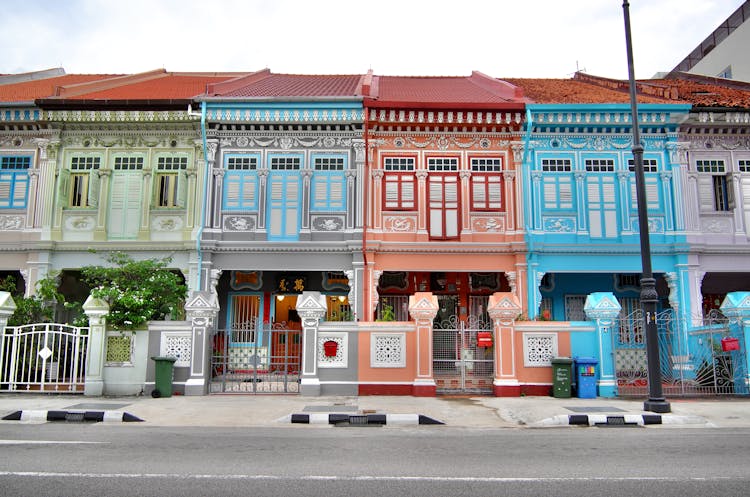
(166, 223)
(239, 223)
(80, 223)
(11, 223)
(400, 224)
(716, 225)
(327, 223)
(655, 224)
(494, 224)
(560, 224)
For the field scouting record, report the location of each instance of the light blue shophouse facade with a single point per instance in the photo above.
(581, 210)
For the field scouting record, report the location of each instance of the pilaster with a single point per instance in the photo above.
(603, 308)
(504, 308)
(96, 310)
(423, 307)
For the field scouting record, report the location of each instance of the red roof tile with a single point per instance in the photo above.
(42, 88)
(444, 91)
(710, 92)
(266, 84)
(168, 86)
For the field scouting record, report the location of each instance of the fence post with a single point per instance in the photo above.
(311, 308)
(603, 308)
(504, 308)
(736, 307)
(423, 308)
(96, 310)
(7, 308)
(201, 310)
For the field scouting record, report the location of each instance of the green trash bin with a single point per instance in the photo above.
(562, 376)
(164, 373)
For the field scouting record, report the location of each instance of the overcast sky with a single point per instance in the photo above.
(502, 38)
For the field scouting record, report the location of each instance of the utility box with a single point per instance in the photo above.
(562, 376)
(164, 374)
(586, 377)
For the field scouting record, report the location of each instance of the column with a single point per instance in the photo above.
(201, 310)
(504, 308)
(423, 307)
(96, 310)
(311, 307)
(603, 309)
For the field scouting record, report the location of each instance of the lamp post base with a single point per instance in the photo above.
(660, 406)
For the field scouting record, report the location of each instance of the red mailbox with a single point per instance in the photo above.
(484, 339)
(730, 343)
(330, 348)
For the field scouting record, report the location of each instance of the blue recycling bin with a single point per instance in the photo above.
(585, 368)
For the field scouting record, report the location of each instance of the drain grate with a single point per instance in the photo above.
(356, 420)
(74, 417)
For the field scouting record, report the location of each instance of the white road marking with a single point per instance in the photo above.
(45, 442)
(458, 479)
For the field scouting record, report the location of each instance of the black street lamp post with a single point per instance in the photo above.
(649, 298)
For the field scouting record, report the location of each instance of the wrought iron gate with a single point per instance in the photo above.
(708, 358)
(44, 357)
(459, 364)
(256, 359)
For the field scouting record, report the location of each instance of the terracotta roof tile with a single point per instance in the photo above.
(166, 87)
(710, 92)
(570, 91)
(42, 88)
(476, 89)
(299, 85)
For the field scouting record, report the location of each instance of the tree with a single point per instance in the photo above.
(38, 308)
(136, 291)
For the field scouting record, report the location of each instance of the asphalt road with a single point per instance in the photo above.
(70, 459)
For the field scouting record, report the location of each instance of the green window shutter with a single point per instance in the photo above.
(63, 187)
(93, 191)
(181, 179)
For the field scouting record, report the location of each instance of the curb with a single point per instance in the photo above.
(363, 419)
(618, 420)
(72, 416)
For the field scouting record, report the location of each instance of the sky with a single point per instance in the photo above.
(501, 38)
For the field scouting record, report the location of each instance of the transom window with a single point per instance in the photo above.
(14, 181)
(398, 164)
(442, 164)
(556, 165)
(329, 164)
(599, 165)
(710, 166)
(486, 164)
(242, 163)
(744, 166)
(285, 163)
(649, 165)
(172, 163)
(128, 163)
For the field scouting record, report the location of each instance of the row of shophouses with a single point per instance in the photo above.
(365, 234)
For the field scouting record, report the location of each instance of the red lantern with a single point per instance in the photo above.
(330, 348)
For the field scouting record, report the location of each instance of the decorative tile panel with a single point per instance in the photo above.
(11, 223)
(178, 345)
(560, 224)
(327, 223)
(539, 349)
(239, 223)
(342, 352)
(400, 224)
(119, 347)
(166, 223)
(487, 224)
(388, 350)
(247, 358)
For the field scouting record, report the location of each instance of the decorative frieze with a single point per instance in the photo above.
(442, 118)
(559, 224)
(300, 114)
(400, 224)
(117, 116)
(166, 223)
(11, 223)
(327, 223)
(288, 141)
(239, 223)
(488, 224)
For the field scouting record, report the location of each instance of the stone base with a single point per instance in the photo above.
(507, 390)
(424, 389)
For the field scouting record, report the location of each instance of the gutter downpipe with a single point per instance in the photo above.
(527, 213)
(366, 187)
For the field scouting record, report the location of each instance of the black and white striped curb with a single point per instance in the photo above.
(72, 416)
(363, 419)
(618, 420)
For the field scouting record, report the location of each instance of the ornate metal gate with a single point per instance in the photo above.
(256, 359)
(459, 364)
(44, 357)
(707, 358)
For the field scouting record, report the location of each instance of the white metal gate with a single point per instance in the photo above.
(44, 357)
(459, 365)
(696, 359)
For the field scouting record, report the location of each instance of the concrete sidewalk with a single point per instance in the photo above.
(467, 412)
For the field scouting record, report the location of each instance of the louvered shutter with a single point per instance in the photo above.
(20, 189)
(93, 188)
(705, 193)
(125, 205)
(63, 188)
(181, 178)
